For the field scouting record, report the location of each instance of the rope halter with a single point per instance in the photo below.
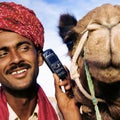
(75, 75)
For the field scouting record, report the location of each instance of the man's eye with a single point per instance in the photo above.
(3, 54)
(24, 48)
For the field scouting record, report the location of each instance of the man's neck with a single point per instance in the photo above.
(22, 102)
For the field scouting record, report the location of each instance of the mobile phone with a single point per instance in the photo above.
(54, 63)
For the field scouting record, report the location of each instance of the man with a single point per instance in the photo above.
(21, 44)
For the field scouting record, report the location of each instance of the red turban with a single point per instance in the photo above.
(19, 19)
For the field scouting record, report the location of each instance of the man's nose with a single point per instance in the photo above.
(15, 56)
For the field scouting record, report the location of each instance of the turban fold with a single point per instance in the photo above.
(19, 19)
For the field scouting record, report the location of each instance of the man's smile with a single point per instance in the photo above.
(19, 72)
(18, 68)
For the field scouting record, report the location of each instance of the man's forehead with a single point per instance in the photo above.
(11, 38)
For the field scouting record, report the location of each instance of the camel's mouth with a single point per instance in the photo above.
(107, 74)
(104, 64)
(104, 61)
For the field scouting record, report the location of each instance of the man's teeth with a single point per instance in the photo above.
(18, 72)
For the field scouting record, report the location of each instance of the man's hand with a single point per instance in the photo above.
(66, 104)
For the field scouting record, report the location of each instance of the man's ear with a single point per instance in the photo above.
(40, 58)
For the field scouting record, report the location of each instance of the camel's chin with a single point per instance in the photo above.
(106, 75)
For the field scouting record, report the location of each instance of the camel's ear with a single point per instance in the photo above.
(66, 23)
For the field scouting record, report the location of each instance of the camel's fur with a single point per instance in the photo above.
(102, 54)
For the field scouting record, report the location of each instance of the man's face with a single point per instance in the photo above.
(19, 61)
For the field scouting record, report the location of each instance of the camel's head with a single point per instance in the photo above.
(94, 43)
(100, 32)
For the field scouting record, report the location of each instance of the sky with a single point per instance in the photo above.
(48, 12)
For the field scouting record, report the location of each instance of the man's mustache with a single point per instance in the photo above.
(18, 65)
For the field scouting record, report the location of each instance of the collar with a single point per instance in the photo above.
(13, 115)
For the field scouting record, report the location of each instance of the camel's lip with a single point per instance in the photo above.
(102, 65)
(106, 75)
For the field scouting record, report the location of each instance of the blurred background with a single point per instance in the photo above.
(49, 11)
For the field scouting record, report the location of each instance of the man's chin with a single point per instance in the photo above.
(21, 91)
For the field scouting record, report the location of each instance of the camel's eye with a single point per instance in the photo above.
(70, 39)
(69, 44)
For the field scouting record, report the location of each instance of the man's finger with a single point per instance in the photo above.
(58, 90)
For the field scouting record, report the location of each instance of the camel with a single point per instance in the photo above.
(94, 47)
